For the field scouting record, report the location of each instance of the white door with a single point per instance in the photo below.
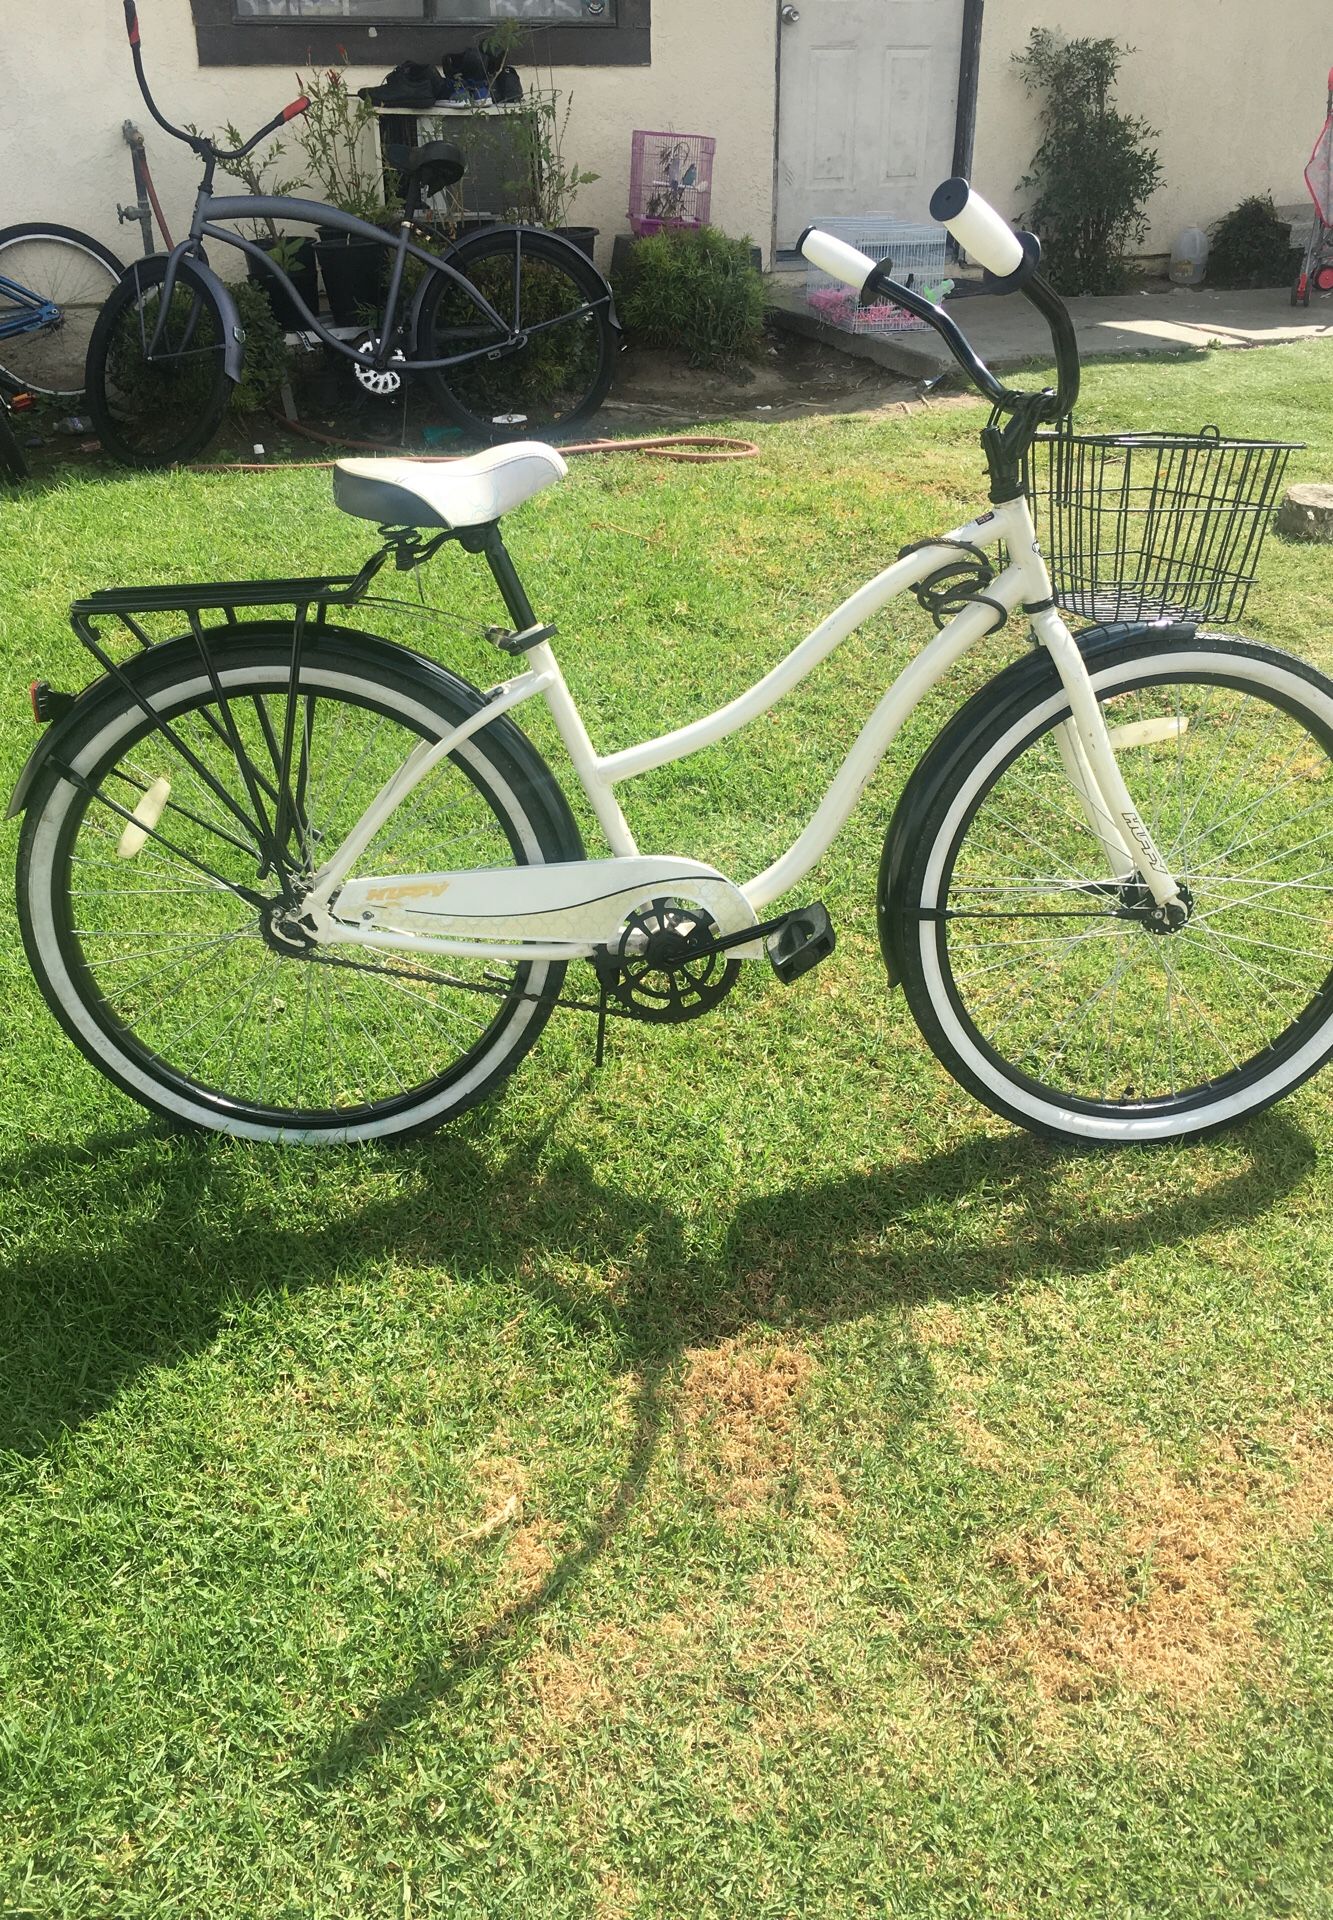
(869, 93)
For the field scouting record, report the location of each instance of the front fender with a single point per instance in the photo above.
(233, 333)
(959, 740)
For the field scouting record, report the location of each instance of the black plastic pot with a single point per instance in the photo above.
(353, 274)
(581, 237)
(303, 275)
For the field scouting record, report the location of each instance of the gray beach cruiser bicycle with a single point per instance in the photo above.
(282, 878)
(513, 327)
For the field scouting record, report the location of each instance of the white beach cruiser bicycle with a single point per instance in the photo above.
(285, 879)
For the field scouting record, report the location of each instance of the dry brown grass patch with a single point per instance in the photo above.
(1157, 1605)
(574, 1687)
(737, 1409)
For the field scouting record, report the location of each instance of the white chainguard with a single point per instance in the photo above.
(584, 902)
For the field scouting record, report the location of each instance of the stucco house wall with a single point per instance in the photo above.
(72, 85)
(1235, 89)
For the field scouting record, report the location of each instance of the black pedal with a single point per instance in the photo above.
(804, 939)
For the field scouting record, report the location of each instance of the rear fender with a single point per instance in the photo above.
(170, 655)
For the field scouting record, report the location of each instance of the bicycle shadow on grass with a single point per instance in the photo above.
(158, 1243)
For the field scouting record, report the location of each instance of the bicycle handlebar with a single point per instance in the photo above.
(199, 142)
(977, 227)
(1010, 260)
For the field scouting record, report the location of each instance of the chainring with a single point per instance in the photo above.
(664, 971)
(380, 381)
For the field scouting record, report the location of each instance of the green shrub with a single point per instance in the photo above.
(1251, 246)
(266, 359)
(696, 289)
(1093, 174)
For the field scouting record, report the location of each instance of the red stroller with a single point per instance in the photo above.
(1316, 269)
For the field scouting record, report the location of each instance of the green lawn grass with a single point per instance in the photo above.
(751, 1481)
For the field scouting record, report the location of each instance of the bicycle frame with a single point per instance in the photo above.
(1085, 747)
(35, 313)
(211, 208)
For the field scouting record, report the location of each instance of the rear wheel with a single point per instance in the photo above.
(1041, 981)
(50, 267)
(157, 401)
(550, 293)
(165, 956)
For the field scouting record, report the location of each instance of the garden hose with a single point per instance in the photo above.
(701, 448)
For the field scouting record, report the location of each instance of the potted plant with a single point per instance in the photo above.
(333, 137)
(549, 184)
(294, 254)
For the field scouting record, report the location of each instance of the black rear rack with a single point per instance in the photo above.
(209, 595)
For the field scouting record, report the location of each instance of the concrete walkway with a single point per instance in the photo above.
(1006, 332)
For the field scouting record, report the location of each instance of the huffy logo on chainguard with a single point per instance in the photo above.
(410, 890)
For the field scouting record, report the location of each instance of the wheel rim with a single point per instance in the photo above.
(540, 385)
(155, 407)
(175, 971)
(50, 359)
(1090, 1011)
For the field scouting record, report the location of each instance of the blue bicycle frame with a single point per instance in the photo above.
(35, 312)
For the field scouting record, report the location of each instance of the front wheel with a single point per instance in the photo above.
(551, 295)
(157, 389)
(150, 907)
(1039, 977)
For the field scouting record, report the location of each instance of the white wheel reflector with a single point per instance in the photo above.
(146, 816)
(1148, 733)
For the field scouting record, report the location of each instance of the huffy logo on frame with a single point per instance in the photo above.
(410, 890)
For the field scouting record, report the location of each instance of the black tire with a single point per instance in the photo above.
(157, 413)
(1037, 979)
(163, 976)
(75, 273)
(564, 372)
(13, 461)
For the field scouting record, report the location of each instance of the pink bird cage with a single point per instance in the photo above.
(670, 180)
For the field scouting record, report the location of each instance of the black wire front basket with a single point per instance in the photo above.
(1140, 525)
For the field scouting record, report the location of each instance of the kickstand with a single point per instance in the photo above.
(600, 1053)
(607, 973)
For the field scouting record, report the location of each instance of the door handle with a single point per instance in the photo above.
(790, 15)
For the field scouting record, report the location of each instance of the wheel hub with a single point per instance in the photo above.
(280, 925)
(1137, 902)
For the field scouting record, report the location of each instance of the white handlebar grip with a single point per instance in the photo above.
(835, 258)
(977, 227)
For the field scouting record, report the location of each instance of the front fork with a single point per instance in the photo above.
(1085, 747)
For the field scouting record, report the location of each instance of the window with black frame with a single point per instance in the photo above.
(440, 12)
(288, 33)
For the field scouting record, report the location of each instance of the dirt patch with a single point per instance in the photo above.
(736, 1413)
(790, 376)
(1160, 1603)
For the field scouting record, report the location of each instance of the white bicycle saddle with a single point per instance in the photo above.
(460, 493)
